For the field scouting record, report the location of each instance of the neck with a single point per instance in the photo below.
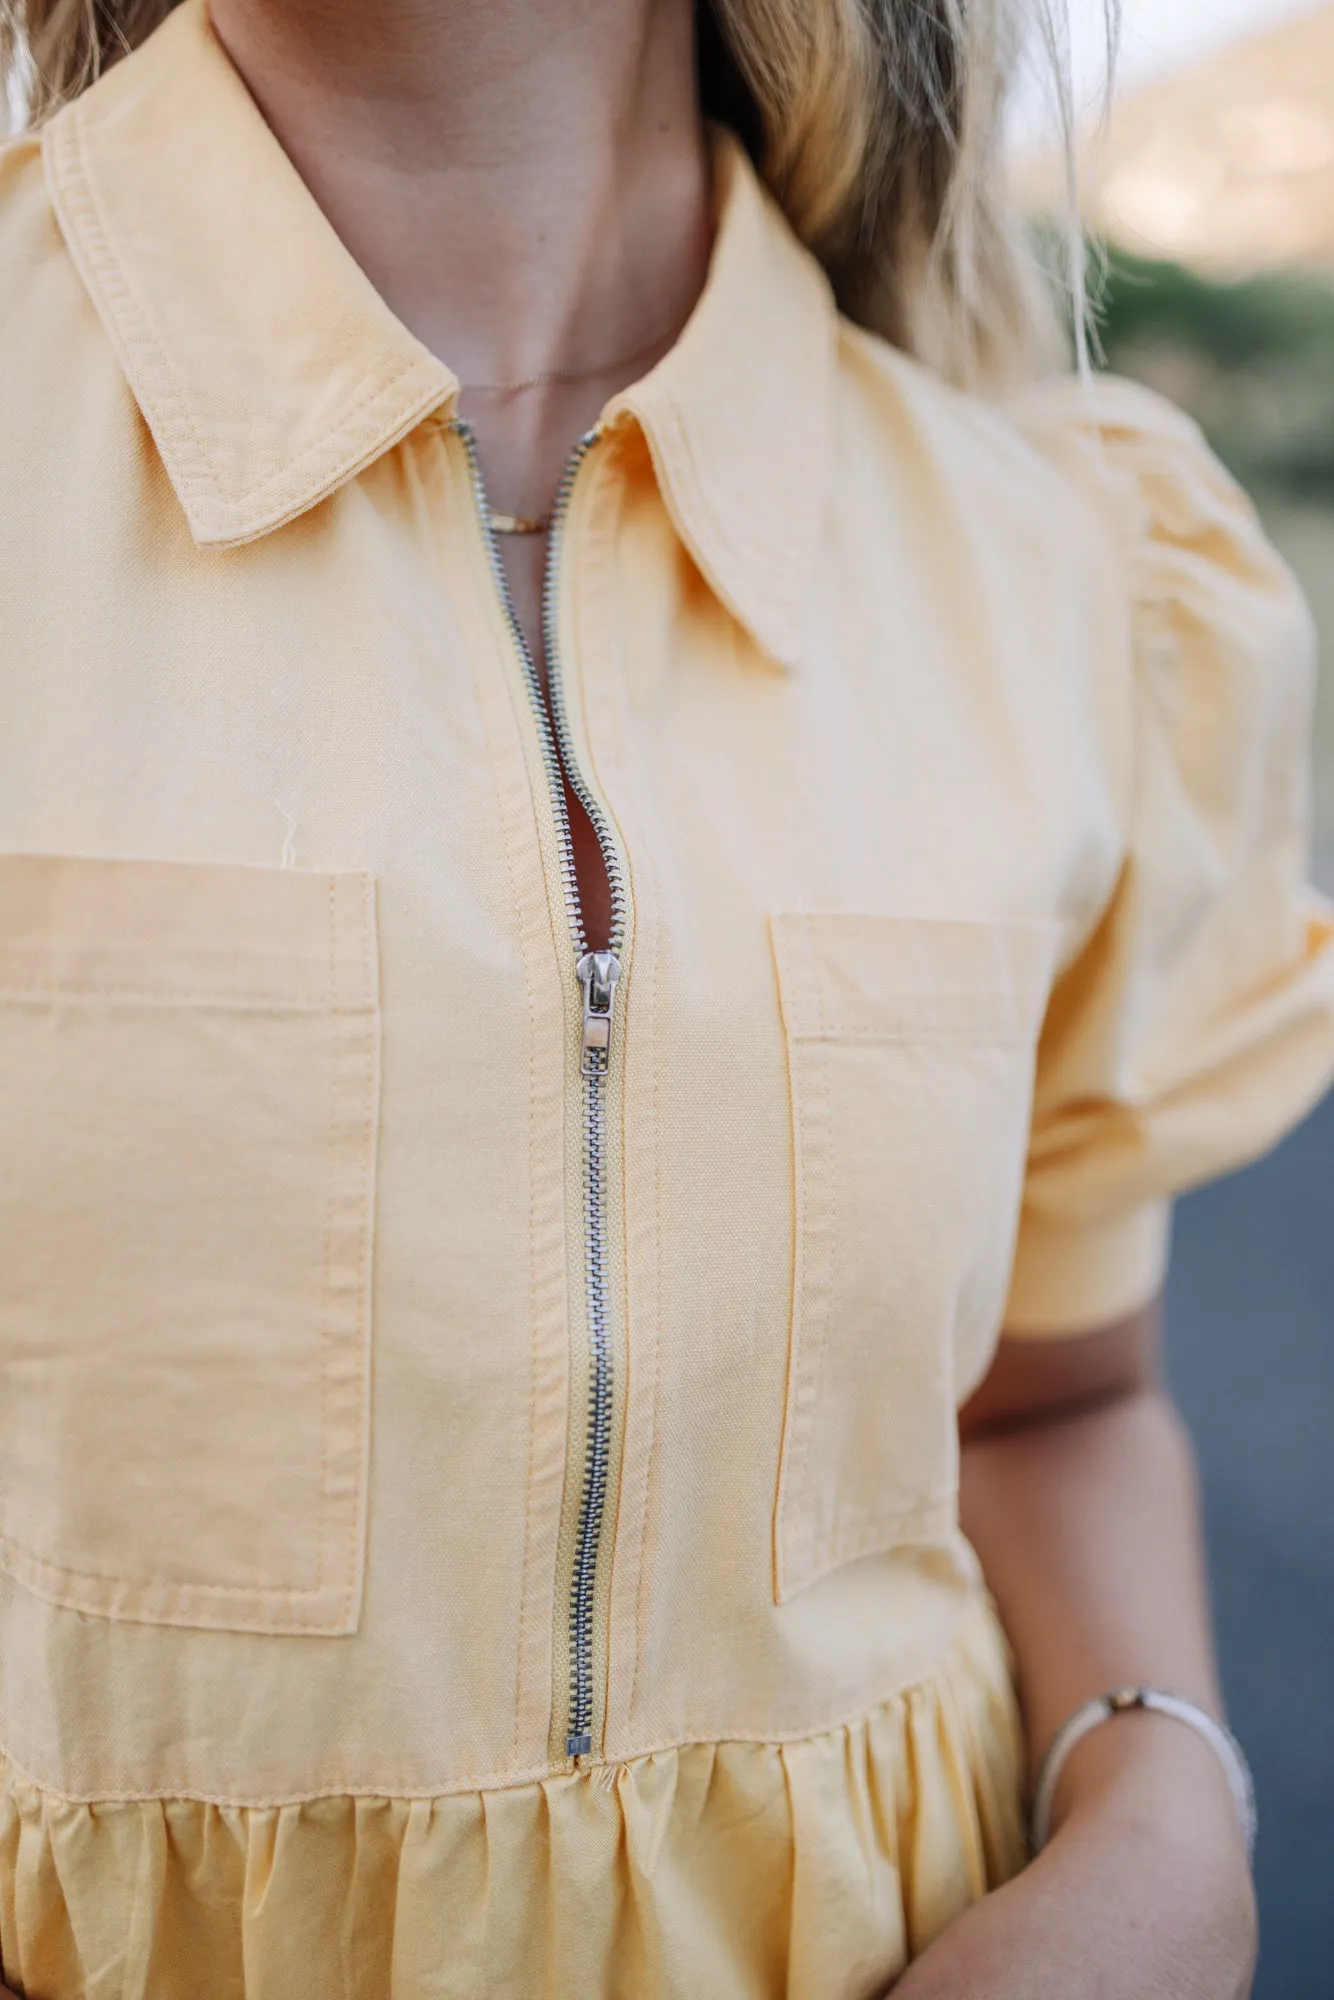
(526, 185)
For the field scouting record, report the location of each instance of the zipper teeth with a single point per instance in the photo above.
(556, 694)
(555, 741)
(592, 1508)
(561, 768)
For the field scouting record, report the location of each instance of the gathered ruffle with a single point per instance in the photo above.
(719, 1871)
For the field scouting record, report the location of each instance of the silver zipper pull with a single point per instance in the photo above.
(598, 973)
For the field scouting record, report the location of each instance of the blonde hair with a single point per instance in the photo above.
(878, 125)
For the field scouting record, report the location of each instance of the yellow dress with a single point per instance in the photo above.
(477, 1417)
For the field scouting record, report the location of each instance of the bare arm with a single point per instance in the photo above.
(1079, 1494)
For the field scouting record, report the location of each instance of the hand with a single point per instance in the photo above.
(1096, 1917)
(1143, 1894)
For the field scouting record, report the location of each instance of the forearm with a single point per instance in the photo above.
(1087, 1527)
(1086, 1521)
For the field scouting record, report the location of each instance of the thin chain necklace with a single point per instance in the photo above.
(537, 524)
(550, 375)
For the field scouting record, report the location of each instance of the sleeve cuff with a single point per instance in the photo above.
(1073, 1277)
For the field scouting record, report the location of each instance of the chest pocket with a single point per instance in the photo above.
(910, 1051)
(188, 1103)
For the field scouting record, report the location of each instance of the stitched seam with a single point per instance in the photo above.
(975, 1609)
(833, 1233)
(165, 996)
(162, 1591)
(655, 1407)
(809, 1335)
(599, 550)
(598, 537)
(777, 1553)
(366, 1208)
(151, 340)
(526, 1612)
(334, 1526)
(151, 1588)
(324, 466)
(920, 1035)
(509, 755)
(131, 321)
(325, 1528)
(796, 1275)
(863, 1517)
(855, 1530)
(322, 451)
(135, 326)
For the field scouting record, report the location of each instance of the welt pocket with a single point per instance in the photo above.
(189, 1073)
(910, 1047)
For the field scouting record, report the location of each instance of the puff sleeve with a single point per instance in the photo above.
(1195, 1024)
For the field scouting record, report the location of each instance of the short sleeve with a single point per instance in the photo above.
(1195, 1024)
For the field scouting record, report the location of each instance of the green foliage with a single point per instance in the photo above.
(1240, 324)
(1253, 361)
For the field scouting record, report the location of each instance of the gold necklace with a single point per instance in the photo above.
(519, 524)
(549, 375)
(537, 524)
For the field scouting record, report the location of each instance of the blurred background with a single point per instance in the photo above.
(1210, 183)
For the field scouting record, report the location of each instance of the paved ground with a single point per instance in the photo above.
(1251, 1352)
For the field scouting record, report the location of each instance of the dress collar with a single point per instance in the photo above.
(270, 371)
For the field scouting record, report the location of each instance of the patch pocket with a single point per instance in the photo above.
(910, 1051)
(189, 1071)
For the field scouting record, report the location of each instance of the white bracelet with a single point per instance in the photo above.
(1101, 1709)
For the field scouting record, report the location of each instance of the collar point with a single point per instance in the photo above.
(780, 644)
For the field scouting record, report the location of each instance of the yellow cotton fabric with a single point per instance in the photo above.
(954, 757)
(813, 1867)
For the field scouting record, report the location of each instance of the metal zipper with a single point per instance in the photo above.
(597, 973)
